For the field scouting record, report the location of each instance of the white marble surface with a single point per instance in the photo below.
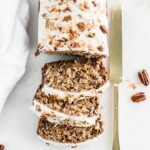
(18, 124)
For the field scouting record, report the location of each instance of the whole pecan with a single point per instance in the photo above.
(2, 147)
(144, 77)
(138, 97)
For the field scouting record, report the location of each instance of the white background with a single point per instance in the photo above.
(18, 124)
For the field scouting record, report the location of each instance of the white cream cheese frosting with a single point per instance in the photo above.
(73, 96)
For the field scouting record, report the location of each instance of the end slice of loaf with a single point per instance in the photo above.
(74, 27)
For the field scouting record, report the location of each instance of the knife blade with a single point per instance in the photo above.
(116, 65)
(116, 45)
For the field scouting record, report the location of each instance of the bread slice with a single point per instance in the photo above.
(76, 27)
(72, 80)
(80, 113)
(57, 134)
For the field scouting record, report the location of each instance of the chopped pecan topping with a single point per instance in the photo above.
(100, 48)
(91, 35)
(75, 45)
(104, 29)
(55, 9)
(62, 40)
(94, 4)
(58, 44)
(60, 28)
(55, 48)
(74, 1)
(67, 9)
(81, 26)
(50, 42)
(2, 147)
(48, 22)
(63, 1)
(73, 34)
(84, 6)
(144, 77)
(89, 26)
(65, 29)
(50, 25)
(74, 146)
(44, 15)
(39, 47)
(67, 18)
(51, 36)
(138, 97)
(37, 53)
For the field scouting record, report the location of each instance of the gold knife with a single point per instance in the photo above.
(116, 65)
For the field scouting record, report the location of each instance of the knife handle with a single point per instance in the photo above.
(116, 145)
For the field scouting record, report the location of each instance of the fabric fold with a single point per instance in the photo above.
(14, 44)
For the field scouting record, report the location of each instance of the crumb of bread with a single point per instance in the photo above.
(132, 85)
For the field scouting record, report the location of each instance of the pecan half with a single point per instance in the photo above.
(84, 6)
(2, 147)
(144, 77)
(138, 97)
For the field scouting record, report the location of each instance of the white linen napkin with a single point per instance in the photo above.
(14, 17)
